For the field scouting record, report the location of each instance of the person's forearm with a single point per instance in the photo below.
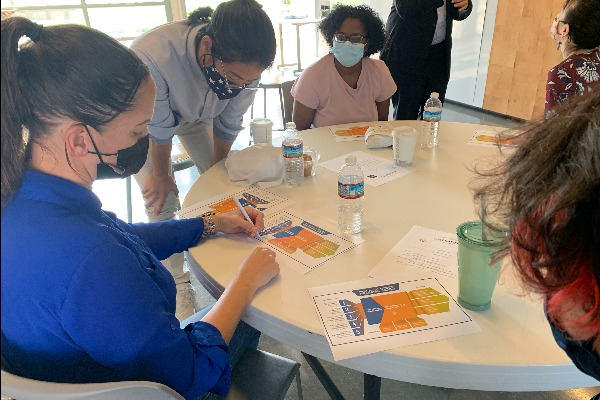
(226, 313)
(221, 149)
(161, 158)
(383, 110)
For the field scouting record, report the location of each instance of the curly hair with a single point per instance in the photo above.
(374, 27)
(547, 195)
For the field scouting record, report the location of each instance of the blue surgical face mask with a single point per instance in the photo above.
(348, 54)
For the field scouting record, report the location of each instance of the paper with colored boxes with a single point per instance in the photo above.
(371, 315)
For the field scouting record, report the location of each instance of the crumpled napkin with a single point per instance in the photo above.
(261, 163)
(378, 136)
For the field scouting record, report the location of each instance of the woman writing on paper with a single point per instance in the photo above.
(84, 295)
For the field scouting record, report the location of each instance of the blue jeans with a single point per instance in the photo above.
(244, 337)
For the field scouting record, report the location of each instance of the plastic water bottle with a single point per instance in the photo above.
(432, 113)
(351, 192)
(292, 156)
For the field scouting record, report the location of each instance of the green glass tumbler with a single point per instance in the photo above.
(476, 277)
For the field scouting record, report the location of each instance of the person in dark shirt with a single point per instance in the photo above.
(418, 50)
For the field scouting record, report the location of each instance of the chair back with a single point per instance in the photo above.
(288, 100)
(258, 375)
(19, 388)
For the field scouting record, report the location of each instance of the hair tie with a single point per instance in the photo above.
(36, 32)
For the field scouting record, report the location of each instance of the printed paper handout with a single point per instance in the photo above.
(371, 315)
(422, 249)
(304, 244)
(260, 199)
(355, 131)
(377, 170)
(493, 139)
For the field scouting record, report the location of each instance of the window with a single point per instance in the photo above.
(124, 20)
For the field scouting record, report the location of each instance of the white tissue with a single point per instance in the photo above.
(257, 163)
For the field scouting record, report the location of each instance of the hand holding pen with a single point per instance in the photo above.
(247, 217)
(247, 220)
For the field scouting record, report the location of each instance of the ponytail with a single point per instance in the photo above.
(15, 110)
(200, 15)
(64, 72)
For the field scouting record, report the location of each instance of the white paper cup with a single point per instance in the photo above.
(261, 130)
(403, 144)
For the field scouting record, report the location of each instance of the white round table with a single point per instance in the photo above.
(514, 351)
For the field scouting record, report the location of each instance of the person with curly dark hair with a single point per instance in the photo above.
(418, 50)
(576, 29)
(547, 196)
(345, 85)
(206, 70)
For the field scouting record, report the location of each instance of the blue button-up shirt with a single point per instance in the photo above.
(86, 299)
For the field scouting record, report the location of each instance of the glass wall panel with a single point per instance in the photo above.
(38, 3)
(127, 22)
(141, 2)
(54, 16)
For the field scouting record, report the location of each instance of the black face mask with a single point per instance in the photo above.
(129, 160)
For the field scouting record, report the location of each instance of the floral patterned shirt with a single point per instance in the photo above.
(574, 75)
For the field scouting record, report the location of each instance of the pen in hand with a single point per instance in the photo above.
(244, 213)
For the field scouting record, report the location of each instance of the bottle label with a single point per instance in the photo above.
(351, 191)
(292, 151)
(432, 115)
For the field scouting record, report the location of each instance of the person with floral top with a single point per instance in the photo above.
(577, 30)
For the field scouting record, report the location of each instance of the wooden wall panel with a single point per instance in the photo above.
(522, 53)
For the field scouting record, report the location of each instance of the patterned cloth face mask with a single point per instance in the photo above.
(220, 85)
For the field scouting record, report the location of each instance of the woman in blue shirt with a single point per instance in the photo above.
(84, 297)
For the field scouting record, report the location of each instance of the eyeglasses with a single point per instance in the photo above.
(560, 20)
(232, 86)
(354, 39)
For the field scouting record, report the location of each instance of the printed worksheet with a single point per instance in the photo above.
(253, 196)
(493, 139)
(371, 315)
(377, 170)
(421, 249)
(355, 131)
(305, 245)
